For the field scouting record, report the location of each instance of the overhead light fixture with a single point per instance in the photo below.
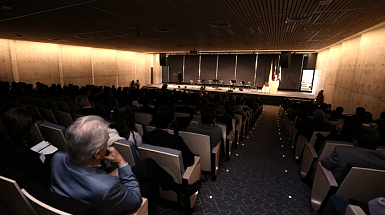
(56, 39)
(163, 29)
(220, 24)
(119, 34)
(297, 20)
(83, 36)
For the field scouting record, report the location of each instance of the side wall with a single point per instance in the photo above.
(352, 73)
(31, 62)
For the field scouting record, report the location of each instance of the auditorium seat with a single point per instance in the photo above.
(128, 151)
(150, 128)
(48, 115)
(354, 210)
(52, 105)
(227, 143)
(200, 144)
(54, 134)
(63, 106)
(63, 118)
(35, 111)
(361, 184)
(143, 118)
(301, 141)
(74, 108)
(140, 129)
(75, 116)
(309, 156)
(329, 147)
(36, 136)
(171, 160)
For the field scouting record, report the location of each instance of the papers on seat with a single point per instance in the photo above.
(44, 148)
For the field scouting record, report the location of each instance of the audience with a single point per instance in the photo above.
(85, 106)
(222, 118)
(306, 126)
(77, 174)
(162, 119)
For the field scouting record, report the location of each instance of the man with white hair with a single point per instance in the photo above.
(77, 174)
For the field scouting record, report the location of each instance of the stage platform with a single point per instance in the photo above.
(270, 99)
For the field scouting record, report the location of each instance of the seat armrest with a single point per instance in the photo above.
(193, 171)
(216, 148)
(324, 181)
(309, 155)
(142, 210)
(354, 210)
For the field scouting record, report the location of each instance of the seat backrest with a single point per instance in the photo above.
(40, 207)
(313, 138)
(301, 141)
(48, 115)
(41, 103)
(63, 106)
(139, 127)
(199, 144)
(330, 146)
(367, 184)
(197, 117)
(52, 105)
(239, 116)
(13, 198)
(74, 108)
(32, 101)
(75, 116)
(143, 118)
(223, 128)
(150, 128)
(128, 151)
(54, 134)
(34, 110)
(167, 158)
(309, 155)
(36, 136)
(63, 118)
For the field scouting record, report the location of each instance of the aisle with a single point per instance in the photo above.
(260, 178)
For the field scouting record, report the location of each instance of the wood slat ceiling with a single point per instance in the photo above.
(207, 25)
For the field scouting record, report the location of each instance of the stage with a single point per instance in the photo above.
(270, 99)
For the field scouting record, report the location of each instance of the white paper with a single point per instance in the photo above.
(38, 147)
(44, 148)
(49, 150)
(42, 158)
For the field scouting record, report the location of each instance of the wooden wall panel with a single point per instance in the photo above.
(5, 62)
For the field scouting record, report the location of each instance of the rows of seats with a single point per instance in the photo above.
(362, 184)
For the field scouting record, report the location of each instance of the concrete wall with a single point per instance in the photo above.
(352, 73)
(31, 62)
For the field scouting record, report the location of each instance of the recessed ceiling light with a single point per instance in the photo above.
(297, 20)
(163, 29)
(220, 24)
(119, 34)
(83, 36)
(56, 39)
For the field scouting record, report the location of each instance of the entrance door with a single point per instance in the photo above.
(307, 80)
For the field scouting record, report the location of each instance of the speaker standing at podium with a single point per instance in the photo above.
(180, 78)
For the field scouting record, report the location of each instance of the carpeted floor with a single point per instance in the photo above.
(260, 178)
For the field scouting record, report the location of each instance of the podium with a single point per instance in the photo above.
(274, 87)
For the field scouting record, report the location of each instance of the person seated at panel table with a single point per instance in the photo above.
(363, 154)
(77, 174)
(162, 119)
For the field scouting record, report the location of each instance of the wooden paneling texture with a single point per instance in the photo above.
(352, 73)
(5, 62)
(80, 65)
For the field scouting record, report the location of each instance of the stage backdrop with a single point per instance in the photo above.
(244, 71)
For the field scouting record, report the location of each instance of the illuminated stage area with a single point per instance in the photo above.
(270, 99)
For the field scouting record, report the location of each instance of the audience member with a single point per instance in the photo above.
(306, 126)
(77, 174)
(162, 119)
(222, 118)
(208, 126)
(15, 131)
(365, 140)
(337, 206)
(85, 106)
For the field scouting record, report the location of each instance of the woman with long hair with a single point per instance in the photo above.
(123, 122)
(15, 131)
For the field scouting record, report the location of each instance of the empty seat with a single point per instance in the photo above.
(54, 134)
(171, 161)
(63, 118)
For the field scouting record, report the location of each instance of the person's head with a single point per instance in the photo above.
(366, 137)
(104, 107)
(359, 110)
(163, 117)
(87, 139)
(208, 116)
(382, 116)
(340, 109)
(16, 124)
(220, 110)
(123, 119)
(365, 117)
(82, 101)
(319, 115)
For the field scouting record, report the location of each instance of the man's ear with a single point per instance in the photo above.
(97, 154)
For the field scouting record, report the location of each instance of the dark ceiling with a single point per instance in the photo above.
(173, 26)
